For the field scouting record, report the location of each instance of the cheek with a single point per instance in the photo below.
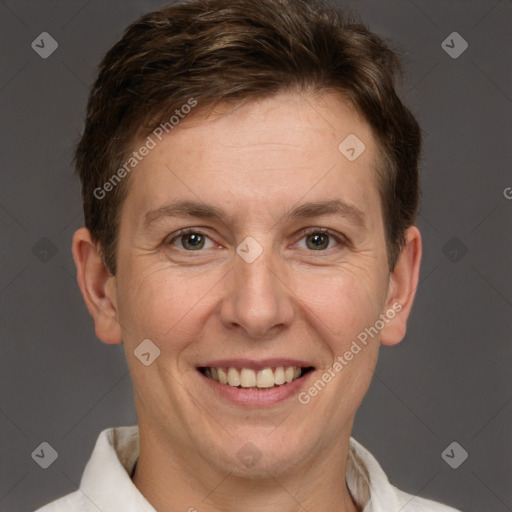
(162, 305)
(342, 303)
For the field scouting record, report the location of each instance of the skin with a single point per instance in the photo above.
(257, 162)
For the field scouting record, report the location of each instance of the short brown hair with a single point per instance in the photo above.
(222, 51)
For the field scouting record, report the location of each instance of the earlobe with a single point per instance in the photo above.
(402, 288)
(97, 287)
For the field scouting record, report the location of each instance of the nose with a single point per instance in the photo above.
(257, 300)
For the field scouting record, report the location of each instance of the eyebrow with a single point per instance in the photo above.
(202, 210)
(329, 207)
(183, 209)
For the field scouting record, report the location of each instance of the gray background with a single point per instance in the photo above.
(449, 380)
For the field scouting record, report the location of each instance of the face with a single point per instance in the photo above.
(282, 265)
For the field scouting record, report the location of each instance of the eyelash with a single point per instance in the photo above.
(341, 239)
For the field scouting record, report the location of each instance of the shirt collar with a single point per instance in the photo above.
(107, 484)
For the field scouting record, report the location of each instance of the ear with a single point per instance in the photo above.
(97, 286)
(402, 288)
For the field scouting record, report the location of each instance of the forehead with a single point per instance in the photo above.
(272, 153)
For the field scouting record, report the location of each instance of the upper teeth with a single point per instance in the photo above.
(248, 378)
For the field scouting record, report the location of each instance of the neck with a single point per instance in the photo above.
(172, 480)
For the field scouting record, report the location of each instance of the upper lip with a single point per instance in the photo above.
(255, 364)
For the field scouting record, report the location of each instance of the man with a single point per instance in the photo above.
(250, 188)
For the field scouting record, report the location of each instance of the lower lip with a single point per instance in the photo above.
(257, 397)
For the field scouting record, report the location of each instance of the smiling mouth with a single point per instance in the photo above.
(247, 378)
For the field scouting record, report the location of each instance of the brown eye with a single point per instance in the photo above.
(321, 239)
(317, 241)
(190, 240)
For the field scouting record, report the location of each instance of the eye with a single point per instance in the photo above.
(190, 239)
(319, 239)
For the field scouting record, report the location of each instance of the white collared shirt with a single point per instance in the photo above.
(106, 484)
